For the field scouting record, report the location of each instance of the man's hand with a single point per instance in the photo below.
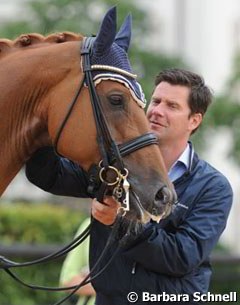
(105, 213)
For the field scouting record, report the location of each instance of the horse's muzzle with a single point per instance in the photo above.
(163, 203)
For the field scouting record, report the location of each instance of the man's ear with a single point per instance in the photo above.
(195, 121)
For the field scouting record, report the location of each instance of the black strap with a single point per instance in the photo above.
(104, 138)
(137, 143)
(61, 127)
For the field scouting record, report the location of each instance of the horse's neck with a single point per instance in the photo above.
(20, 136)
(22, 121)
(29, 81)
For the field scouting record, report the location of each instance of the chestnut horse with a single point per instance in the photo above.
(39, 77)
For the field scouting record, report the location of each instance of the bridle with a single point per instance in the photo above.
(109, 150)
(111, 153)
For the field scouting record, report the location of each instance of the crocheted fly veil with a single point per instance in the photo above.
(110, 49)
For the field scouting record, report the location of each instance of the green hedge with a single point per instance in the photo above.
(226, 272)
(226, 278)
(35, 224)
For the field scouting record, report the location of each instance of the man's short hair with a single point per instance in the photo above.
(200, 96)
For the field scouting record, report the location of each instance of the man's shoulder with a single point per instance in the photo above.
(209, 173)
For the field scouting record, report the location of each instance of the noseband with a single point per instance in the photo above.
(109, 150)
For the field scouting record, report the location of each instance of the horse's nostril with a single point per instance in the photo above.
(164, 201)
(159, 196)
(155, 211)
(163, 196)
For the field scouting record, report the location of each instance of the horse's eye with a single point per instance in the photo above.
(116, 100)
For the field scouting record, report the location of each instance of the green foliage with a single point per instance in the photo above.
(46, 16)
(35, 224)
(148, 64)
(225, 278)
(226, 272)
(231, 100)
(45, 275)
(38, 223)
(225, 112)
(14, 29)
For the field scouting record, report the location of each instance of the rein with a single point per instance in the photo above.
(110, 153)
(7, 264)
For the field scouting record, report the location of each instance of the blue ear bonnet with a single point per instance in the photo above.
(115, 56)
(110, 49)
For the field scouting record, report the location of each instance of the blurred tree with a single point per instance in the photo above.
(47, 16)
(225, 112)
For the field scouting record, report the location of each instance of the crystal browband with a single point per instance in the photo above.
(114, 69)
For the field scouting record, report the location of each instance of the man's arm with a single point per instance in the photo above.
(178, 253)
(56, 175)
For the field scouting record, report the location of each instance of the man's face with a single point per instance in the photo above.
(169, 113)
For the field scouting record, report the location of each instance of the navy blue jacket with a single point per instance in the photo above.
(171, 257)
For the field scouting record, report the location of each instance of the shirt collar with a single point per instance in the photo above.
(184, 158)
(182, 164)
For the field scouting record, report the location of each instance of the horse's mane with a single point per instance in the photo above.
(36, 40)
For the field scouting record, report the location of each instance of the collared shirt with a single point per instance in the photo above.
(181, 165)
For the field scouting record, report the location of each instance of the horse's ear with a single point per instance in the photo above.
(124, 34)
(107, 33)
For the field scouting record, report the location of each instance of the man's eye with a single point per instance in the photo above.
(173, 106)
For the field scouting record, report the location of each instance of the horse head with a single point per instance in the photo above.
(120, 106)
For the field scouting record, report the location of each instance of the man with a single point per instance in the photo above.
(170, 260)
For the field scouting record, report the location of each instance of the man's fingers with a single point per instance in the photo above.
(108, 202)
(111, 202)
(106, 214)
